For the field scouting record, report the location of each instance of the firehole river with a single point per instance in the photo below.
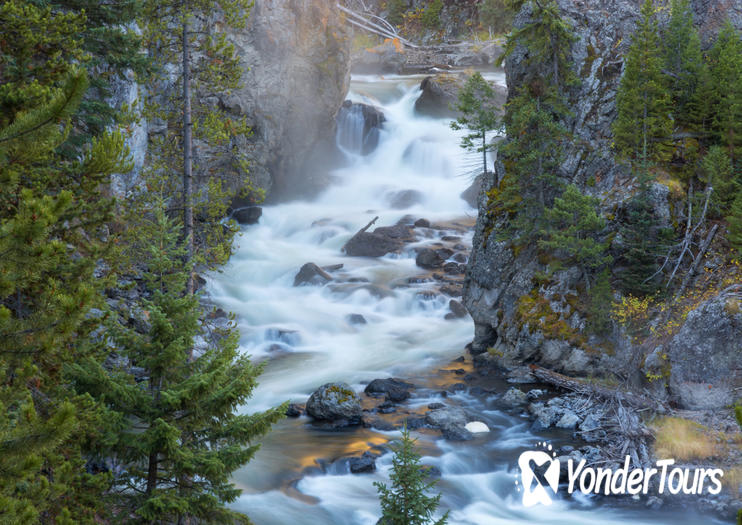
(298, 477)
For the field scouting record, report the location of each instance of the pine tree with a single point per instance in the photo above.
(735, 223)
(643, 128)
(49, 219)
(534, 121)
(643, 244)
(495, 16)
(573, 229)
(178, 34)
(406, 502)
(182, 437)
(397, 9)
(726, 72)
(716, 171)
(479, 114)
(683, 63)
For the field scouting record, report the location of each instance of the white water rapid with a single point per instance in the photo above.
(304, 335)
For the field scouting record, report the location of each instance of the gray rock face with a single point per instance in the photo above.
(440, 95)
(296, 60)
(497, 278)
(705, 356)
(335, 402)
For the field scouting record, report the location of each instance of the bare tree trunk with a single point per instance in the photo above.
(697, 261)
(152, 473)
(187, 150)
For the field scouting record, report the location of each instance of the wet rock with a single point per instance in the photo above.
(355, 319)
(311, 274)
(515, 397)
(336, 403)
(377, 423)
(365, 463)
(535, 394)
(545, 415)
(387, 407)
(457, 308)
(436, 406)
(395, 390)
(422, 223)
(414, 422)
(358, 127)
(247, 215)
(439, 96)
(371, 245)
(471, 194)
(282, 335)
(456, 434)
(400, 200)
(450, 421)
(429, 258)
(293, 410)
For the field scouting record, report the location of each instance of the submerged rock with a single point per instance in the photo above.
(311, 274)
(395, 390)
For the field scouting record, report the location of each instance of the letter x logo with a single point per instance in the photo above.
(538, 471)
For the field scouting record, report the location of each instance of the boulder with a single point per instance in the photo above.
(395, 390)
(336, 403)
(705, 357)
(439, 95)
(515, 397)
(568, 420)
(383, 240)
(247, 215)
(457, 309)
(422, 223)
(293, 410)
(430, 258)
(362, 464)
(387, 57)
(400, 200)
(355, 319)
(477, 427)
(311, 274)
(451, 422)
(358, 127)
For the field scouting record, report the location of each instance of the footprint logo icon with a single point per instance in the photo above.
(540, 477)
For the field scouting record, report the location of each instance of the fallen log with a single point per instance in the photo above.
(606, 393)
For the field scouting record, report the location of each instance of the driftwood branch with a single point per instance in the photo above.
(359, 232)
(386, 30)
(697, 261)
(606, 393)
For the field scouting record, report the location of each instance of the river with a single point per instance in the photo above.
(303, 335)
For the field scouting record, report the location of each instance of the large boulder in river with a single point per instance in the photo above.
(430, 258)
(450, 421)
(248, 214)
(439, 96)
(395, 390)
(336, 403)
(383, 240)
(359, 127)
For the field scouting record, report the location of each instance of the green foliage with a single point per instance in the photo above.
(214, 68)
(599, 308)
(643, 245)
(683, 63)
(495, 15)
(431, 17)
(397, 9)
(572, 231)
(735, 223)
(726, 74)
(478, 114)
(643, 128)
(406, 502)
(50, 213)
(716, 170)
(181, 438)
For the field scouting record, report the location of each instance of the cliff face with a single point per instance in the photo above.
(298, 55)
(518, 317)
(295, 55)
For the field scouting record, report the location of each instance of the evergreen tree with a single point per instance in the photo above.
(735, 223)
(178, 35)
(478, 114)
(406, 502)
(726, 72)
(495, 16)
(643, 128)
(534, 121)
(50, 215)
(600, 300)
(183, 438)
(643, 244)
(573, 226)
(716, 171)
(683, 63)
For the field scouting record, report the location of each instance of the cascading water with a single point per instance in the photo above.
(306, 337)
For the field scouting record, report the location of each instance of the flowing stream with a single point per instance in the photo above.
(304, 335)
